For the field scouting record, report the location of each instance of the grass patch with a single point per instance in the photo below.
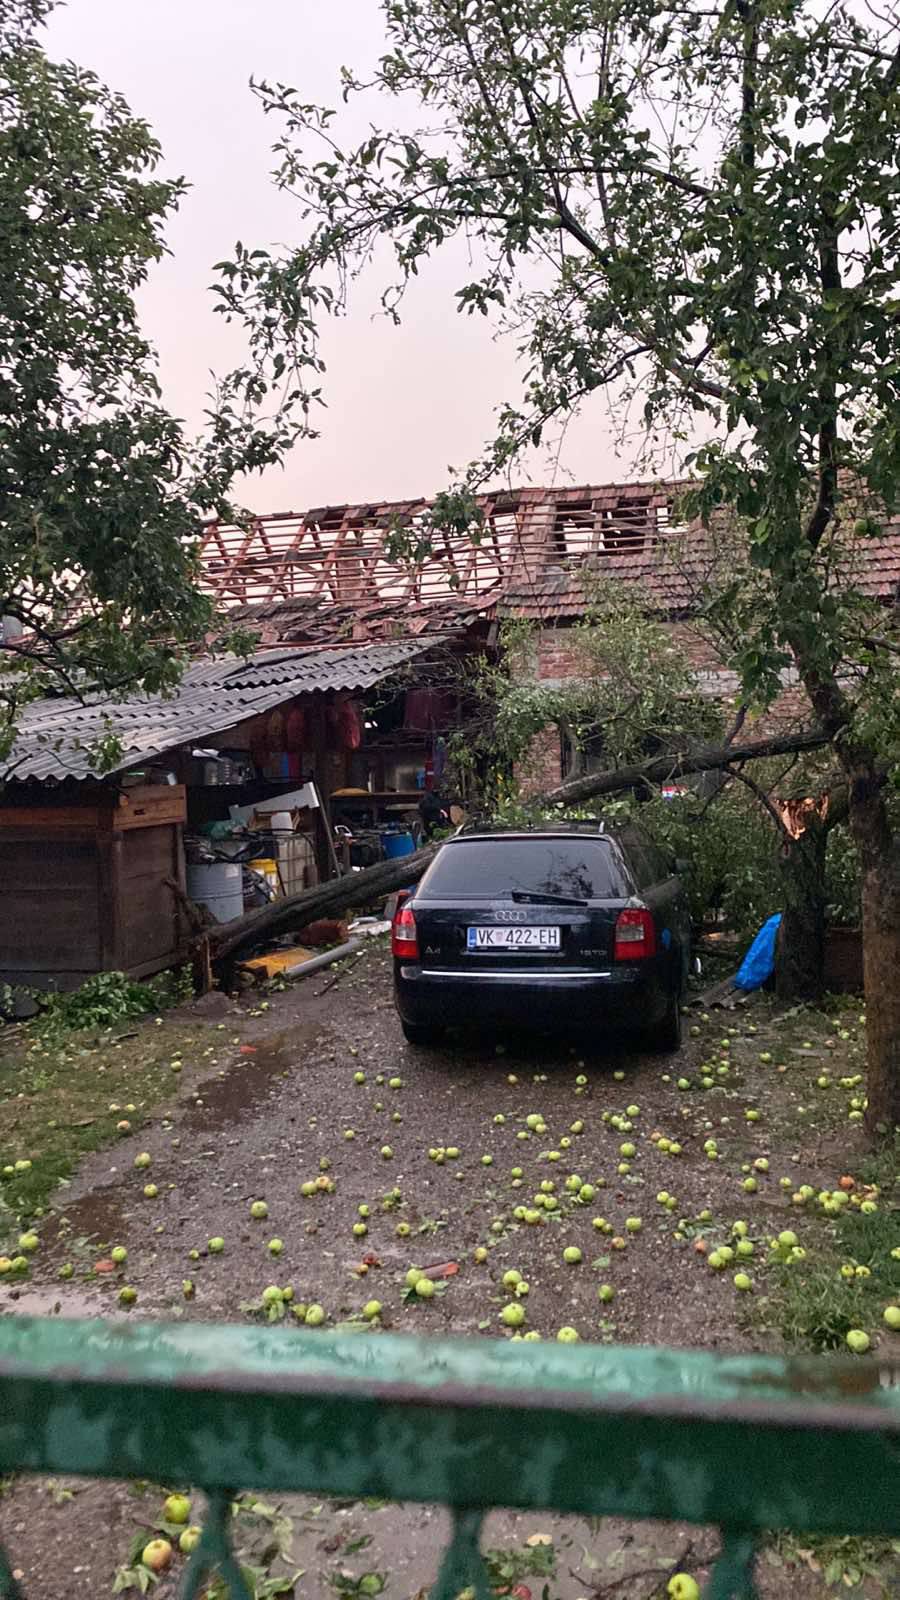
(62, 1093)
(845, 1564)
(847, 1280)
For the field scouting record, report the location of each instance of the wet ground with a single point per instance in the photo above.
(321, 1086)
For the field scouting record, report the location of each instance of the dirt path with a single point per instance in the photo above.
(267, 1101)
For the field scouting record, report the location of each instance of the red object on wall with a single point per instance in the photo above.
(349, 725)
(294, 729)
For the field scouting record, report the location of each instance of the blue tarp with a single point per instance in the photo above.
(759, 962)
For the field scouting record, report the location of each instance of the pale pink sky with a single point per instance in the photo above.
(403, 404)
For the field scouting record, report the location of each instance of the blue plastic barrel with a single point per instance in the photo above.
(398, 844)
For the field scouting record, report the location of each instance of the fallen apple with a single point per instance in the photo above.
(157, 1555)
(177, 1508)
(189, 1539)
(683, 1587)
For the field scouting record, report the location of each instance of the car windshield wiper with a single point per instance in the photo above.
(535, 898)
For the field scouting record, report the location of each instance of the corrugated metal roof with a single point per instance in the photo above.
(55, 736)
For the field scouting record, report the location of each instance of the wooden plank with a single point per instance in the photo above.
(50, 922)
(151, 805)
(35, 820)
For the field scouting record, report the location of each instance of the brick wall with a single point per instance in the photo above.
(540, 769)
(556, 658)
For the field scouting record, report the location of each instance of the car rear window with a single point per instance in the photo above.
(476, 869)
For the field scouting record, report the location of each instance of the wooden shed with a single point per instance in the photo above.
(87, 885)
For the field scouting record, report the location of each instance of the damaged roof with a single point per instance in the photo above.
(355, 570)
(55, 736)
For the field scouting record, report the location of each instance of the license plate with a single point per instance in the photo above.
(513, 938)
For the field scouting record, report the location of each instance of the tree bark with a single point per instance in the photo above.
(324, 899)
(879, 854)
(800, 962)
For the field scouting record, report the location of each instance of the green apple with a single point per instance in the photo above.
(275, 1247)
(891, 1316)
(571, 1255)
(424, 1288)
(259, 1210)
(189, 1539)
(683, 1587)
(742, 1281)
(127, 1296)
(568, 1335)
(605, 1293)
(28, 1242)
(150, 1191)
(118, 1254)
(66, 1270)
(143, 1160)
(479, 1254)
(511, 1278)
(314, 1316)
(512, 1315)
(360, 1229)
(858, 1341)
(371, 1310)
(387, 1152)
(633, 1224)
(177, 1508)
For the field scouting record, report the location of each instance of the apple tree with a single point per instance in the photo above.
(695, 201)
(101, 490)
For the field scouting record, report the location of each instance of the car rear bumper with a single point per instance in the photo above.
(620, 997)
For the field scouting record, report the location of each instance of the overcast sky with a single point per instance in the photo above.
(403, 404)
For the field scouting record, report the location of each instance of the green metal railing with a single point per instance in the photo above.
(749, 1443)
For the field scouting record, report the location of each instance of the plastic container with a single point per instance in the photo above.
(218, 886)
(268, 869)
(397, 844)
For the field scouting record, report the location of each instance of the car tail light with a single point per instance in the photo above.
(404, 939)
(635, 936)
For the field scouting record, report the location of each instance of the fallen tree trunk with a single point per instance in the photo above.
(294, 911)
(373, 883)
(706, 758)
